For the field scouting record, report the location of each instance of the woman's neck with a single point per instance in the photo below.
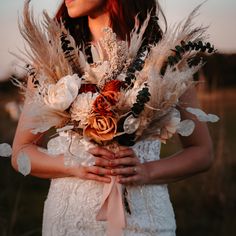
(96, 23)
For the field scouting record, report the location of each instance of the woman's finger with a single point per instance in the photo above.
(130, 180)
(103, 162)
(99, 151)
(125, 171)
(127, 161)
(128, 152)
(99, 170)
(103, 179)
(124, 147)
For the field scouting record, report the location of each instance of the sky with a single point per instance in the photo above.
(218, 14)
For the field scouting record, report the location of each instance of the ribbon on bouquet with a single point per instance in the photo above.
(112, 208)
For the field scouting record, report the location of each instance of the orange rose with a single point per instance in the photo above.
(105, 102)
(113, 85)
(101, 128)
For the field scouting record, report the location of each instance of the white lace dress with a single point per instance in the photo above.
(72, 204)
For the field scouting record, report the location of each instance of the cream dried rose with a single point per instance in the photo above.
(63, 93)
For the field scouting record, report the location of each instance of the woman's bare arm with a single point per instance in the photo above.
(195, 157)
(45, 166)
(42, 165)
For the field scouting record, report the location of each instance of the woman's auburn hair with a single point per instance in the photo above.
(122, 20)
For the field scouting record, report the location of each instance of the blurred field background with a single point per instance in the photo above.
(204, 204)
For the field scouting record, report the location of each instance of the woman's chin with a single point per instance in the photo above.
(74, 13)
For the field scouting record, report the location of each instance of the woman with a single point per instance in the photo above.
(75, 193)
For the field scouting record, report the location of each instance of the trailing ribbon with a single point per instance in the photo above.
(112, 208)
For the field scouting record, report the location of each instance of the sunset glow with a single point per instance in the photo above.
(219, 15)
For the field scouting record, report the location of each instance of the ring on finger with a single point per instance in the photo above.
(100, 173)
(135, 170)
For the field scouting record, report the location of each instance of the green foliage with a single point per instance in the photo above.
(184, 48)
(142, 98)
(69, 52)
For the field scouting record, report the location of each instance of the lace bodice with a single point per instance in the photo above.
(72, 205)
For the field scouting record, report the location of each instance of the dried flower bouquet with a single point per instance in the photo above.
(130, 92)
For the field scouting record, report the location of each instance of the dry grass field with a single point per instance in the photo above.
(204, 204)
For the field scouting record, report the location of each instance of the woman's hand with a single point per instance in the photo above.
(101, 168)
(128, 168)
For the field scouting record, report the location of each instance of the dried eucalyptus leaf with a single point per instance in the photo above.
(185, 128)
(5, 150)
(57, 146)
(24, 165)
(66, 128)
(131, 124)
(202, 116)
(213, 118)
